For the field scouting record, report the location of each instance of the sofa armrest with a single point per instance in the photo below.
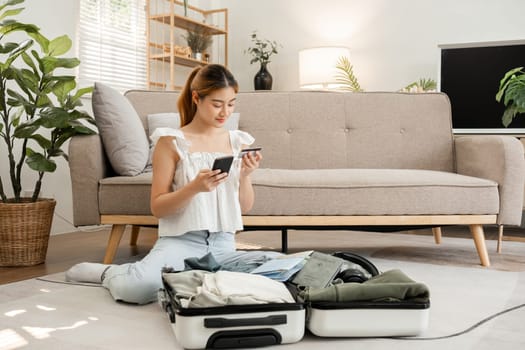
(500, 159)
(87, 166)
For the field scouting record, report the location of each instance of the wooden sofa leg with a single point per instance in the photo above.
(479, 241)
(437, 234)
(114, 239)
(134, 235)
(500, 238)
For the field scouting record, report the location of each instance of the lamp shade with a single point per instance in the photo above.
(317, 67)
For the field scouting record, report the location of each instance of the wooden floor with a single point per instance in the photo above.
(67, 249)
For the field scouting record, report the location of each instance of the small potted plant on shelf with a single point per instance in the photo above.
(198, 41)
(38, 114)
(261, 51)
(512, 91)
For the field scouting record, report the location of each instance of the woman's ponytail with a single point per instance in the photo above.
(185, 103)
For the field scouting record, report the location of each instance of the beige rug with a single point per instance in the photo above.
(37, 314)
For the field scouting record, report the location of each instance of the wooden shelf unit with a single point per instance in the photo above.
(165, 21)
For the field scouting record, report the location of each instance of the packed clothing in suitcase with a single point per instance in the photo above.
(338, 295)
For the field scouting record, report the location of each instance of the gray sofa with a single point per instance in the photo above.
(333, 160)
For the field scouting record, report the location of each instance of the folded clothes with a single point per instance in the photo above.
(196, 288)
(392, 285)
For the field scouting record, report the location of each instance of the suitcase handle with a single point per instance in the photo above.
(244, 339)
(221, 322)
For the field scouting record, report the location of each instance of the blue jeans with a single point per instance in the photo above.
(139, 282)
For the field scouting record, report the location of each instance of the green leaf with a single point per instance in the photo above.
(42, 141)
(65, 135)
(346, 75)
(81, 128)
(22, 47)
(59, 45)
(49, 63)
(7, 47)
(41, 40)
(16, 99)
(25, 130)
(12, 12)
(27, 59)
(38, 162)
(10, 3)
(81, 92)
(62, 88)
(9, 26)
(503, 84)
(54, 117)
(27, 80)
(16, 116)
(508, 115)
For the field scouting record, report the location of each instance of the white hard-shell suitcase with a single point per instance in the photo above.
(233, 326)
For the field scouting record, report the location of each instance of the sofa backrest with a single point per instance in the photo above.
(302, 130)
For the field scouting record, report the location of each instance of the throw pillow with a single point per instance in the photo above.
(121, 130)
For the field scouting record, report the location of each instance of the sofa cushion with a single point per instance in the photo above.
(371, 192)
(334, 192)
(121, 130)
(135, 189)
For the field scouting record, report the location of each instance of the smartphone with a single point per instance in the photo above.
(223, 163)
(246, 150)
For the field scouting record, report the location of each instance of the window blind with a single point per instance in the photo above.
(112, 43)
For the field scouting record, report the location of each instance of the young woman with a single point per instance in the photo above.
(199, 209)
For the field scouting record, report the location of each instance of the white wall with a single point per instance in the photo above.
(392, 43)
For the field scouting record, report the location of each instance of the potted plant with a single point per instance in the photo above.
(512, 91)
(261, 51)
(198, 41)
(38, 114)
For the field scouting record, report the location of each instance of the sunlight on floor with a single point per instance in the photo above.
(14, 313)
(9, 339)
(45, 308)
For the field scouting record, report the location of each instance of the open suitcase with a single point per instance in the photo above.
(246, 326)
(233, 326)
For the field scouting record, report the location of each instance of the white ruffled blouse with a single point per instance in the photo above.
(216, 211)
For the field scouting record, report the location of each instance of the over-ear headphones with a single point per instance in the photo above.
(355, 275)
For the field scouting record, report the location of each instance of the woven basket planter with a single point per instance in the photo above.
(24, 232)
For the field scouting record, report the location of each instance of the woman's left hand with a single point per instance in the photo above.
(250, 162)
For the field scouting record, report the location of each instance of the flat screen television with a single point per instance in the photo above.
(470, 75)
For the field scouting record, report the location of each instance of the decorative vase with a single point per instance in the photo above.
(263, 79)
(24, 231)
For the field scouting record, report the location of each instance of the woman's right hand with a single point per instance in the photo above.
(207, 180)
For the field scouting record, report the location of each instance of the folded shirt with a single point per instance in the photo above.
(392, 285)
